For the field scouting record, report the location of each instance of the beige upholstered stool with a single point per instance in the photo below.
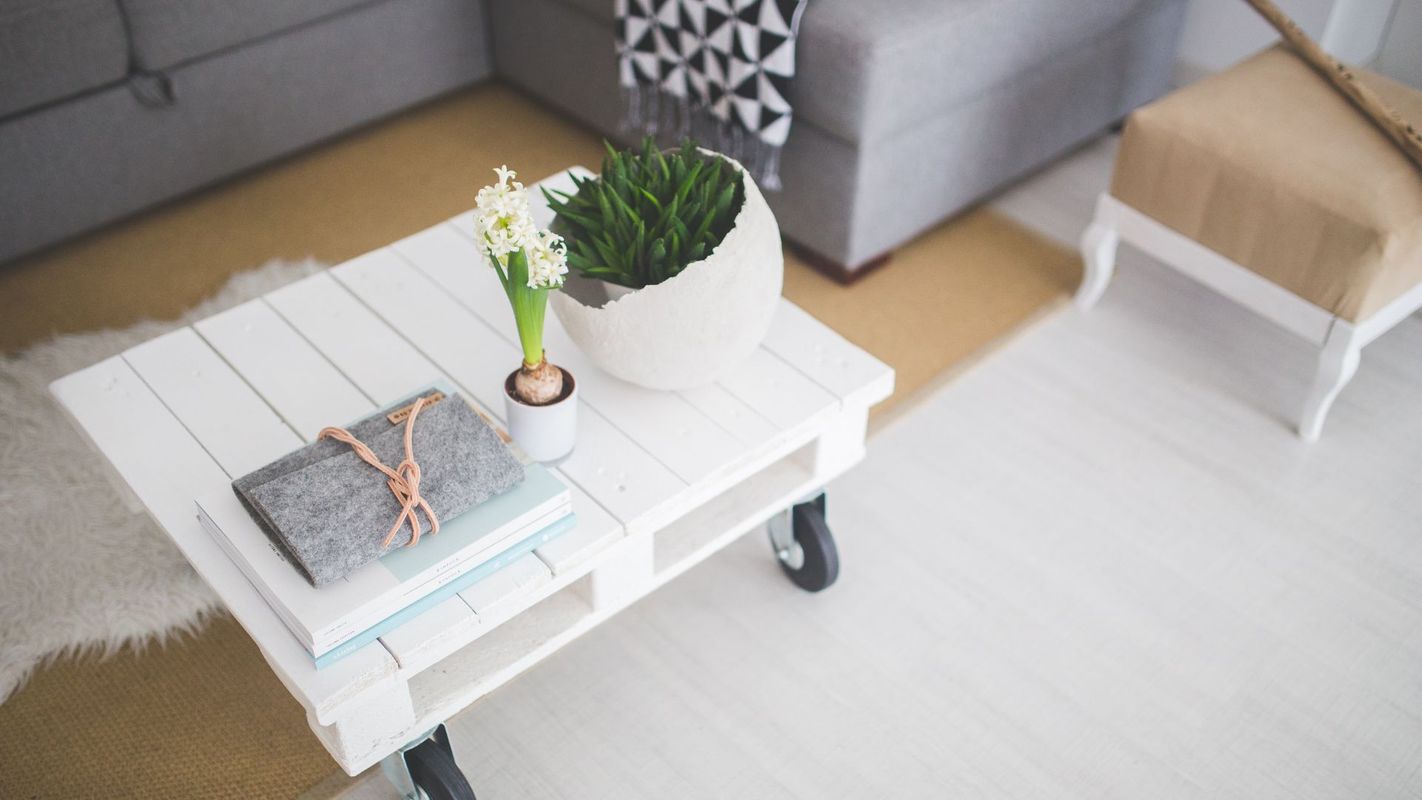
(1264, 184)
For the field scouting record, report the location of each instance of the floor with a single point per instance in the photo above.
(1099, 564)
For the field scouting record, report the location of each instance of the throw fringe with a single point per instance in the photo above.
(650, 111)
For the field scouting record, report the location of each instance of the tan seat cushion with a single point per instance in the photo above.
(1269, 166)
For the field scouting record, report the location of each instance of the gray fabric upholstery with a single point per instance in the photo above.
(908, 182)
(77, 165)
(170, 32)
(907, 110)
(858, 189)
(867, 69)
(54, 49)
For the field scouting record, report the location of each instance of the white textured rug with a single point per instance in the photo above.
(78, 572)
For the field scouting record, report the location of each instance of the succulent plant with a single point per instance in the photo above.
(649, 215)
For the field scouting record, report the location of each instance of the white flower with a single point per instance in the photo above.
(547, 260)
(502, 220)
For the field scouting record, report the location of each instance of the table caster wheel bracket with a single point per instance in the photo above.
(425, 770)
(804, 545)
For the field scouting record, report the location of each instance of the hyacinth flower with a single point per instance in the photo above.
(530, 263)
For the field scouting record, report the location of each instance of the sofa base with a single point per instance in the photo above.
(841, 274)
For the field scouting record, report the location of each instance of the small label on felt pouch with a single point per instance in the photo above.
(398, 415)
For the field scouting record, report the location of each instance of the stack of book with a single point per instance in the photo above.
(340, 616)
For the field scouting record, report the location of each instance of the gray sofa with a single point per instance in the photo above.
(907, 110)
(108, 107)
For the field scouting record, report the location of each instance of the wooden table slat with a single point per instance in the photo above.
(361, 345)
(421, 641)
(495, 597)
(441, 329)
(234, 424)
(855, 377)
(291, 375)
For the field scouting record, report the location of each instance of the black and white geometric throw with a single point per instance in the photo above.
(715, 68)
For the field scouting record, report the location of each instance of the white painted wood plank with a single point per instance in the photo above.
(827, 358)
(420, 642)
(362, 346)
(123, 417)
(664, 424)
(671, 429)
(167, 468)
(445, 332)
(674, 431)
(299, 383)
(216, 406)
(622, 477)
(693, 538)
(731, 412)
(508, 590)
(596, 529)
(501, 655)
(778, 391)
(460, 344)
(450, 259)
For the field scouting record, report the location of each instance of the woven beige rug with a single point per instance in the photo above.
(202, 715)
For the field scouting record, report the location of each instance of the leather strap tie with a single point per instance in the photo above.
(404, 480)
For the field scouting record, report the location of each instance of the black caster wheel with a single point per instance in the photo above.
(433, 769)
(806, 550)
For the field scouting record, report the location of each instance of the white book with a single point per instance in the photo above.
(323, 619)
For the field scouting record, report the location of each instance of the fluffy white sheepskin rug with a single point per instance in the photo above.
(79, 573)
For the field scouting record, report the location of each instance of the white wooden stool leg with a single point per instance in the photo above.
(1098, 253)
(1337, 363)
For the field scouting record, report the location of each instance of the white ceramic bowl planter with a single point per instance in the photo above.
(691, 329)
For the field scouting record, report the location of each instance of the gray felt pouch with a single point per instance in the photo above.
(329, 511)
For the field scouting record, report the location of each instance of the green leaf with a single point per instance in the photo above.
(651, 198)
(649, 214)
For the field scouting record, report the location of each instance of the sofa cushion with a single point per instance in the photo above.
(54, 49)
(169, 32)
(868, 69)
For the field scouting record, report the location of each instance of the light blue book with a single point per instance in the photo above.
(450, 589)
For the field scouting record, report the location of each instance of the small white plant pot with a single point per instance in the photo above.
(545, 433)
(693, 328)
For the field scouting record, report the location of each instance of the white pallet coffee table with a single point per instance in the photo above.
(660, 479)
